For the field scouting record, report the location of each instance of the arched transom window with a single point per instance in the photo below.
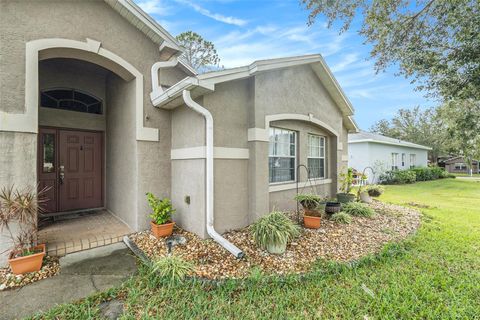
(70, 99)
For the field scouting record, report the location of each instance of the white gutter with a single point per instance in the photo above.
(209, 175)
(156, 88)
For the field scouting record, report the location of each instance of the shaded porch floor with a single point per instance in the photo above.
(82, 231)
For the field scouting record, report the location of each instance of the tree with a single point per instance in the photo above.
(461, 120)
(417, 126)
(435, 43)
(200, 53)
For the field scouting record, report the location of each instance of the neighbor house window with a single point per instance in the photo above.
(70, 99)
(404, 156)
(281, 155)
(316, 156)
(413, 160)
(460, 166)
(394, 161)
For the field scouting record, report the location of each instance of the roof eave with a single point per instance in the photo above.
(415, 146)
(135, 15)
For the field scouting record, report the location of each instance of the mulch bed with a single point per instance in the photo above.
(333, 241)
(8, 280)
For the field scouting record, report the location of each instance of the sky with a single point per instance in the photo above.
(247, 30)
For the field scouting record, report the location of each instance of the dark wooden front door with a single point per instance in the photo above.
(70, 163)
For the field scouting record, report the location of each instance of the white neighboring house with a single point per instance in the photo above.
(382, 154)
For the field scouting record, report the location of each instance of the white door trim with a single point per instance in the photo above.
(28, 121)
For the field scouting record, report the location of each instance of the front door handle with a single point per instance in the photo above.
(62, 174)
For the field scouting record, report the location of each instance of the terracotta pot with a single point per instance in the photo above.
(162, 230)
(312, 213)
(311, 222)
(29, 263)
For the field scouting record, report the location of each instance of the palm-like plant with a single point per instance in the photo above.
(21, 206)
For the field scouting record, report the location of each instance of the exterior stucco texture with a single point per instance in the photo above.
(294, 96)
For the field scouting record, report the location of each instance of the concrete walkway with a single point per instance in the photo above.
(81, 274)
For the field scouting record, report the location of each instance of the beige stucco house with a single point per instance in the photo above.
(96, 104)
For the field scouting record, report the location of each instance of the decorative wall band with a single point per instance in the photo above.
(218, 153)
(293, 185)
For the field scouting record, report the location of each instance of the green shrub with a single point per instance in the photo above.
(274, 229)
(341, 217)
(162, 209)
(375, 190)
(398, 177)
(422, 174)
(358, 209)
(308, 201)
(172, 268)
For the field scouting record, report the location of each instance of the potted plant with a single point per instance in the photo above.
(273, 231)
(346, 182)
(311, 214)
(375, 190)
(161, 224)
(21, 207)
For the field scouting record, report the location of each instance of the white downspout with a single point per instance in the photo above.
(209, 175)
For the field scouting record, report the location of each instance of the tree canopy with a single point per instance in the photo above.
(417, 126)
(435, 43)
(200, 53)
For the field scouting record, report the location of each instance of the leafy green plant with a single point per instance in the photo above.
(162, 209)
(274, 229)
(375, 190)
(346, 180)
(341, 217)
(172, 268)
(358, 209)
(308, 201)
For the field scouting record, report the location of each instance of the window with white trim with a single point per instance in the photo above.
(404, 159)
(394, 161)
(460, 166)
(413, 160)
(282, 152)
(316, 156)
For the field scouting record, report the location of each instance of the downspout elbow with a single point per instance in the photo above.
(209, 194)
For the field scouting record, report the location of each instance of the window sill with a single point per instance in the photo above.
(293, 185)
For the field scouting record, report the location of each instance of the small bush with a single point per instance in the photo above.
(341, 217)
(375, 190)
(398, 177)
(358, 209)
(274, 229)
(172, 268)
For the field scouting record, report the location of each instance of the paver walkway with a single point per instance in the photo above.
(81, 274)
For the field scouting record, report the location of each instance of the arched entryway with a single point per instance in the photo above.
(88, 113)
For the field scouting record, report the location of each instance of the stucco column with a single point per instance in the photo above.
(258, 180)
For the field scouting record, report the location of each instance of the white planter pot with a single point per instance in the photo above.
(277, 249)
(365, 197)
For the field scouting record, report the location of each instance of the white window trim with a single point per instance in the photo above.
(324, 155)
(413, 163)
(394, 163)
(275, 156)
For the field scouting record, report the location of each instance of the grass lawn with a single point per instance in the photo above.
(434, 275)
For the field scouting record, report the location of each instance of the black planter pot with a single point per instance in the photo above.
(333, 207)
